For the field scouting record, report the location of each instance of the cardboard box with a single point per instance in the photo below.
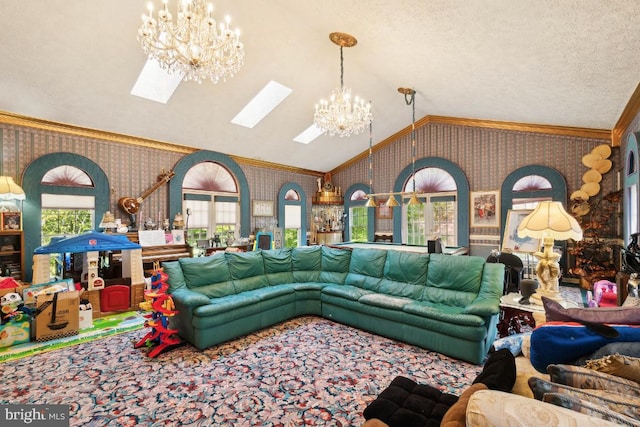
(58, 315)
(16, 331)
(30, 293)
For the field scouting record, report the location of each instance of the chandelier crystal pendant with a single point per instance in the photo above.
(341, 115)
(193, 44)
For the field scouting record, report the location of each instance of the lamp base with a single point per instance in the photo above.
(536, 298)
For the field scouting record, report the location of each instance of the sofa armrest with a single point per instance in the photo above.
(497, 408)
(487, 302)
(189, 299)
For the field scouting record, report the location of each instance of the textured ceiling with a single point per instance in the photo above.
(565, 63)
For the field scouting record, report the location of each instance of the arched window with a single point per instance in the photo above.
(437, 216)
(224, 178)
(528, 186)
(66, 194)
(631, 188)
(292, 212)
(210, 201)
(359, 224)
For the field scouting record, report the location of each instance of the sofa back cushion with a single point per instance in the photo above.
(208, 275)
(366, 268)
(335, 265)
(453, 280)
(278, 266)
(404, 274)
(306, 261)
(247, 270)
(176, 278)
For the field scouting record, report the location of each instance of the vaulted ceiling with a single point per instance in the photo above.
(565, 63)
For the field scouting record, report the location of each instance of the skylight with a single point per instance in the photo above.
(309, 134)
(156, 84)
(262, 104)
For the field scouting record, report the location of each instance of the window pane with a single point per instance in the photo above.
(60, 222)
(358, 223)
(292, 216)
(226, 212)
(199, 209)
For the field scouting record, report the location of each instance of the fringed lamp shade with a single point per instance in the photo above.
(9, 190)
(549, 219)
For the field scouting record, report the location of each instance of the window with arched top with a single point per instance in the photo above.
(631, 189)
(66, 194)
(210, 202)
(528, 185)
(65, 214)
(437, 215)
(358, 221)
(292, 213)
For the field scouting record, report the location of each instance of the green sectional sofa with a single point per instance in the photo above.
(449, 304)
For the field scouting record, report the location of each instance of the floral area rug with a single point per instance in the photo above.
(307, 371)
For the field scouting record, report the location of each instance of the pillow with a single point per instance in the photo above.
(588, 408)
(620, 403)
(624, 348)
(614, 315)
(456, 416)
(618, 365)
(585, 378)
(499, 371)
(513, 343)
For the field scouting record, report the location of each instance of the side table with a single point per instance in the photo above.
(513, 315)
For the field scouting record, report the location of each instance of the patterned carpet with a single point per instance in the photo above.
(307, 371)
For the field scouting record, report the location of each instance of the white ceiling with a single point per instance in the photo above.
(567, 63)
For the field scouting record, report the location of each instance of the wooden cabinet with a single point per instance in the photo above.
(11, 252)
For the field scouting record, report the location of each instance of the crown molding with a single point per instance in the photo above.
(488, 124)
(19, 120)
(629, 113)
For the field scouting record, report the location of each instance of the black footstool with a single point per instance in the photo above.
(406, 403)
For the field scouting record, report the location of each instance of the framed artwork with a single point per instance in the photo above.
(11, 221)
(178, 237)
(485, 209)
(262, 208)
(383, 211)
(511, 241)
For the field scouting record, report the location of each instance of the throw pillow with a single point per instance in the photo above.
(618, 365)
(612, 315)
(588, 408)
(499, 371)
(625, 348)
(565, 342)
(584, 378)
(457, 414)
(511, 342)
(620, 403)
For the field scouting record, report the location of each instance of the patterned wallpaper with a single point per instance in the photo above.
(486, 156)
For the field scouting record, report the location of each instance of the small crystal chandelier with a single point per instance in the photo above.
(192, 45)
(340, 116)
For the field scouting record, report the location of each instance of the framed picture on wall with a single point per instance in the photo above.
(11, 221)
(262, 208)
(485, 209)
(511, 241)
(383, 211)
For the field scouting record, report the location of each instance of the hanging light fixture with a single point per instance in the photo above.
(341, 115)
(371, 203)
(192, 44)
(409, 98)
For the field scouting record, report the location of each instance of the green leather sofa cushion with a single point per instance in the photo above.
(176, 277)
(345, 291)
(205, 270)
(278, 266)
(335, 265)
(385, 301)
(306, 261)
(247, 270)
(368, 262)
(406, 267)
(453, 280)
(400, 289)
(453, 315)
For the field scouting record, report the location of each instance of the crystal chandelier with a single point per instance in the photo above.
(340, 116)
(192, 44)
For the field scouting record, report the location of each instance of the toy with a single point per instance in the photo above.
(161, 337)
(13, 307)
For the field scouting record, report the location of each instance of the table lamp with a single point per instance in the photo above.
(549, 221)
